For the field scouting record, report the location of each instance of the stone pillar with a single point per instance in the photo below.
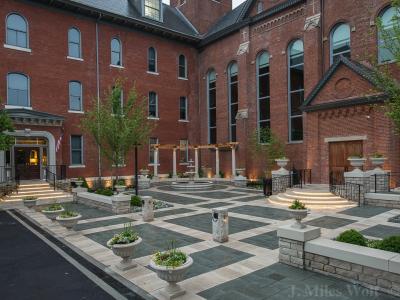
(291, 244)
(155, 163)
(144, 182)
(148, 209)
(75, 192)
(174, 175)
(220, 225)
(196, 162)
(233, 149)
(378, 180)
(121, 204)
(280, 180)
(217, 163)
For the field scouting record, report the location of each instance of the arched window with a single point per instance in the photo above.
(152, 60)
(233, 90)
(17, 31)
(263, 95)
(340, 42)
(74, 43)
(153, 105)
(212, 106)
(182, 66)
(296, 90)
(116, 52)
(388, 17)
(75, 96)
(18, 90)
(260, 7)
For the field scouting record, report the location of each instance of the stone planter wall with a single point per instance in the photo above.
(93, 200)
(291, 252)
(385, 200)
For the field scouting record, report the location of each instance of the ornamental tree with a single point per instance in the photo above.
(6, 126)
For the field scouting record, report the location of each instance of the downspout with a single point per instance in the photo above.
(98, 86)
(322, 8)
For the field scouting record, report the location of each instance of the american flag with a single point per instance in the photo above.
(59, 141)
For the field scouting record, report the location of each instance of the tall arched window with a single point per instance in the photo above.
(18, 90)
(182, 73)
(340, 42)
(152, 60)
(263, 94)
(153, 105)
(233, 90)
(260, 6)
(17, 31)
(75, 96)
(388, 17)
(116, 52)
(212, 106)
(296, 90)
(74, 43)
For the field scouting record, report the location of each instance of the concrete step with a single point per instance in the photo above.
(316, 206)
(46, 200)
(288, 201)
(38, 195)
(310, 196)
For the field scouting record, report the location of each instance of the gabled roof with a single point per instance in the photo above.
(357, 67)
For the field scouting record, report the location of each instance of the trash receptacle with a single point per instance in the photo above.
(148, 209)
(220, 225)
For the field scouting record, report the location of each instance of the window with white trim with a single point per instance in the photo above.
(152, 141)
(116, 52)
(75, 96)
(233, 90)
(263, 94)
(152, 9)
(74, 43)
(183, 151)
(182, 73)
(153, 105)
(152, 60)
(18, 90)
(17, 31)
(388, 18)
(76, 150)
(183, 106)
(212, 106)
(340, 42)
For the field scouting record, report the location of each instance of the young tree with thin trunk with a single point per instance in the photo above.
(6, 126)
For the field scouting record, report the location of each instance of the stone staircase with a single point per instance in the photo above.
(42, 190)
(313, 196)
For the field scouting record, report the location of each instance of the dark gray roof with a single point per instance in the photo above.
(360, 69)
(28, 116)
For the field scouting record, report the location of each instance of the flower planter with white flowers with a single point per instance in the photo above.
(68, 219)
(377, 161)
(123, 245)
(120, 188)
(171, 266)
(53, 211)
(298, 212)
(282, 162)
(29, 202)
(356, 162)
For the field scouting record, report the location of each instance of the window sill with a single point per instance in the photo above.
(386, 63)
(183, 78)
(17, 106)
(75, 58)
(116, 66)
(153, 118)
(119, 166)
(183, 164)
(294, 142)
(152, 165)
(183, 121)
(76, 166)
(153, 73)
(76, 112)
(17, 48)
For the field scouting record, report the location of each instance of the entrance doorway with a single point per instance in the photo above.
(27, 162)
(339, 152)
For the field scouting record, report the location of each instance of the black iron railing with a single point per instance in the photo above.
(384, 182)
(54, 173)
(9, 183)
(348, 189)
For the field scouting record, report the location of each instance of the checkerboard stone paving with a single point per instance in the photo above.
(267, 240)
(171, 198)
(330, 222)
(381, 231)
(86, 211)
(178, 211)
(214, 204)
(262, 212)
(216, 195)
(366, 211)
(103, 223)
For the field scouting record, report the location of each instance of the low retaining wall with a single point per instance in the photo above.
(390, 200)
(118, 204)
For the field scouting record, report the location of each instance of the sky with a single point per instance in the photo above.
(235, 2)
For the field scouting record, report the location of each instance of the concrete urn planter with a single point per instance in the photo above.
(298, 215)
(52, 214)
(241, 172)
(30, 203)
(144, 172)
(282, 162)
(377, 161)
(120, 188)
(356, 162)
(68, 223)
(78, 183)
(172, 276)
(125, 251)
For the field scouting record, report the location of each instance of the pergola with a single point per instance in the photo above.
(174, 148)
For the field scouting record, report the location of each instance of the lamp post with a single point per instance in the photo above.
(136, 171)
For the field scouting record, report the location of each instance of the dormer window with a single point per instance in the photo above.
(152, 9)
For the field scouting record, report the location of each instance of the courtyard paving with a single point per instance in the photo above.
(246, 267)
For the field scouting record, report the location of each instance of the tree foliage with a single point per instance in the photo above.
(6, 126)
(270, 148)
(118, 126)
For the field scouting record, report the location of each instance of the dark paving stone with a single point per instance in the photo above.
(215, 204)
(283, 282)
(171, 198)
(381, 231)
(86, 211)
(214, 187)
(248, 191)
(365, 211)
(159, 214)
(266, 240)
(263, 212)
(104, 223)
(214, 258)
(330, 222)
(250, 198)
(215, 195)
(154, 239)
(203, 222)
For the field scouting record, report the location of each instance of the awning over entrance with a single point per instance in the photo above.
(31, 117)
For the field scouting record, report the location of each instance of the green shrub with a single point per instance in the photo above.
(352, 237)
(105, 192)
(136, 201)
(119, 182)
(84, 184)
(221, 174)
(296, 204)
(391, 244)
(68, 214)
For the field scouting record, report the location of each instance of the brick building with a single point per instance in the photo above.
(213, 75)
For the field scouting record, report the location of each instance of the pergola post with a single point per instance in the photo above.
(233, 161)
(174, 175)
(155, 162)
(217, 163)
(196, 162)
